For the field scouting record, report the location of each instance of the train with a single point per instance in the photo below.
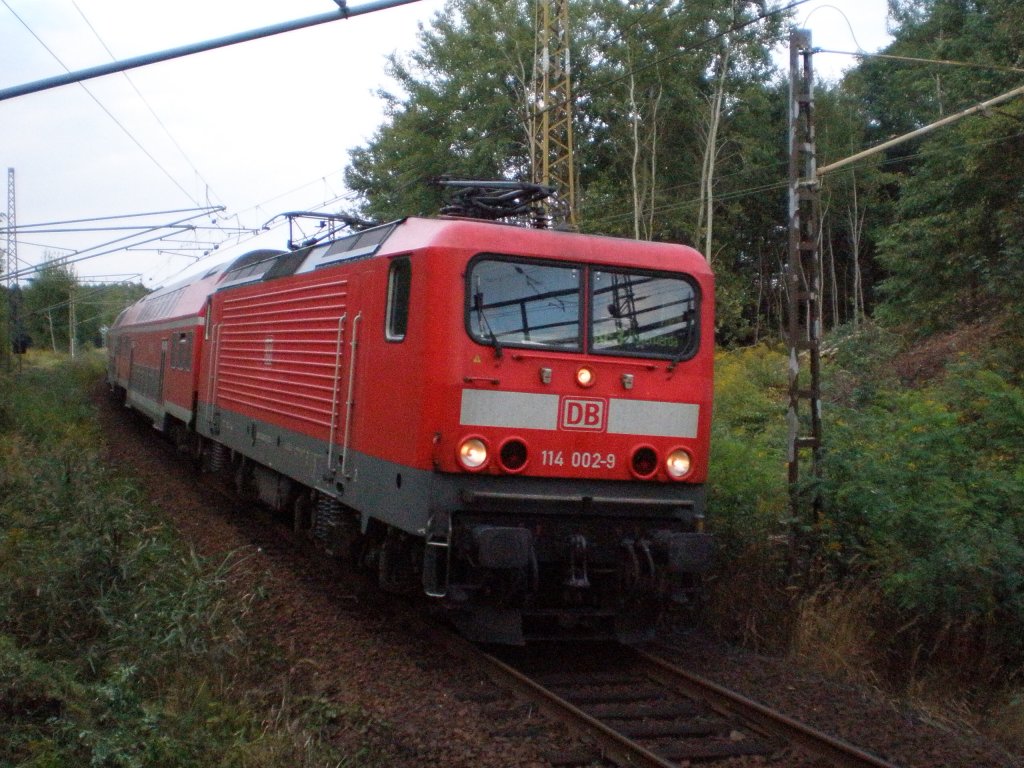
(512, 421)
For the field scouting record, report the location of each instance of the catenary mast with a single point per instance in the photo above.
(551, 108)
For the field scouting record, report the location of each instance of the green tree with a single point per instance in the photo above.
(461, 110)
(953, 245)
(855, 206)
(47, 302)
(51, 295)
(99, 305)
(671, 136)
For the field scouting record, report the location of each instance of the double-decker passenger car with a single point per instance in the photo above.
(514, 421)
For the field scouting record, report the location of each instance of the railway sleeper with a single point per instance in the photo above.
(597, 696)
(648, 729)
(737, 745)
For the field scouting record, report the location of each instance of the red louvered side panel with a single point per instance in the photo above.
(280, 347)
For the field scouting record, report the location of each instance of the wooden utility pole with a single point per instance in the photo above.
(72, 321)
(803, 284)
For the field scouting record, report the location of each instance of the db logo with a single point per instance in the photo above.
(583, 413)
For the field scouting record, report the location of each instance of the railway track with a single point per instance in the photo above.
(641, 710)
(636, 707)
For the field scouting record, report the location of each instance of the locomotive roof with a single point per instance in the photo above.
(187, 298)
(486, 236)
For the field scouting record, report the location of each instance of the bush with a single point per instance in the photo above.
(922, 492)
(119, 646)
(747, 484)
(747, 499)
(923, 495)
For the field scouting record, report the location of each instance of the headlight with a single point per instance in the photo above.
(472, 453)
(678, 464)
(585, 377)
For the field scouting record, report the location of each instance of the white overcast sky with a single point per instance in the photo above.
(260, 128)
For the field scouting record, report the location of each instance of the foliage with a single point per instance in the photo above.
(118, 645)
(927, 234)
(46, 305)
(47, 302)
(462, 112)
(645, 82)
(952, 239)
(923, 493)
(746, 477)
(747, 502)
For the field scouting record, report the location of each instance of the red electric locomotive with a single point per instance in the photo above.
(513, 420)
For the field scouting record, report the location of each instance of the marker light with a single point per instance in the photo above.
(472, 453)
(678, 464)
(644, 462)
(585, 377)
(513, 455)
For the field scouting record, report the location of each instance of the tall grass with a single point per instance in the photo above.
(120, 646)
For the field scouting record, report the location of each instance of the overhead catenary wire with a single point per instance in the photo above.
(919, 60)
(143, 99)
(103, 107)
(977, 108)
(115, 216)
(244, 233)
(343, 12)
(86, 253)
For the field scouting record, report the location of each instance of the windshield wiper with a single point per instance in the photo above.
(478, 305)
(686, 344)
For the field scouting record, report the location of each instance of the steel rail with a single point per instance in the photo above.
(620, 749)
(838, 752)
(614, 745)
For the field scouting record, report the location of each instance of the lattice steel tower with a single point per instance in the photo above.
(803, 282)
(10, 268)
(552, 159)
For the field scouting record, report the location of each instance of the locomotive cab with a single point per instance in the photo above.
(572, 436)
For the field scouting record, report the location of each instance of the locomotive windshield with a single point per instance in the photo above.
(527, 303)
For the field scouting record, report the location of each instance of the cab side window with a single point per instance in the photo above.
(399, 281)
